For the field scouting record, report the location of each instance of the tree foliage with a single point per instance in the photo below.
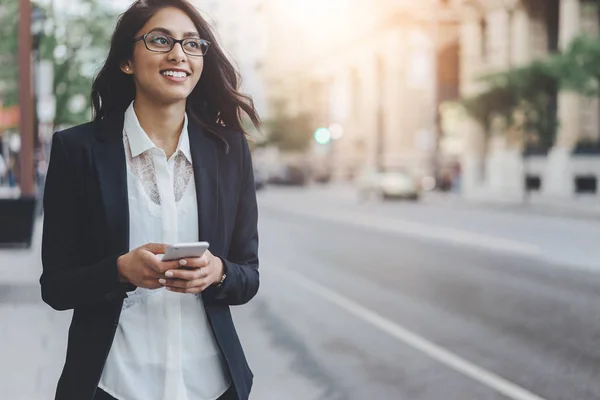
(75, 38)
(530, 91)
(289, 132)
(579, 66)
(78, 46)
(9, 77)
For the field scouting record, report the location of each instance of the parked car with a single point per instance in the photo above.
(260, 178)
(394, 184)
(290, 175)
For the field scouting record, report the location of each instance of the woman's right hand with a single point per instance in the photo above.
(142, 268)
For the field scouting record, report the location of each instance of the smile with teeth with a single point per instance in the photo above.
(175, 74)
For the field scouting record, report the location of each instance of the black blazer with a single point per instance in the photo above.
(86, 228)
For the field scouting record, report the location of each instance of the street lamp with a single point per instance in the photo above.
(25, 100)
(38, 19)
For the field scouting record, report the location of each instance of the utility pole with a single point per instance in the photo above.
(435, 117)
(380, 133)
(25, 100)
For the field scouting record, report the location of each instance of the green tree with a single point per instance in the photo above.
(9, 17)
(531, 91)
(524, 97)
(76, 40)
(289, 132)
(78, 45)
(579, 66)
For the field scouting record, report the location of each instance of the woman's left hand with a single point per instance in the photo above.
(195, 274)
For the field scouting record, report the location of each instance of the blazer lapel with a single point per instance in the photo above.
(206, 176)
(111, 167)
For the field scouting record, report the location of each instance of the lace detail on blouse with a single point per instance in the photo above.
(143, 168)
(182, 172)
(137, 296)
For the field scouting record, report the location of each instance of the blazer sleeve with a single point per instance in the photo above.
(67, 281)
(241, 263)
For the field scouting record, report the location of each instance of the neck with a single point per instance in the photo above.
(162, 124)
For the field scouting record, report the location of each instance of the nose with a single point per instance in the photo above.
(177, 53)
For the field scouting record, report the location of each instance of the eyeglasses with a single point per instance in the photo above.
(163, 43)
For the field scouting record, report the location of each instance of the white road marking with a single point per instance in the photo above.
(438, 353)
(409, 228)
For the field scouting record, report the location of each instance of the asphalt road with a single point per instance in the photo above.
(350, 311)
(393, 301)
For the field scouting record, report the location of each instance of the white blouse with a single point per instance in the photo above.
(164, 348)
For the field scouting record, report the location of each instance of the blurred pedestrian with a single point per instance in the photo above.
(456, 176)
(3, 168)
(13, 170)
(165, 160)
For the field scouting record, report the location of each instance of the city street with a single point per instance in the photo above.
(485, 285)
(415, 301)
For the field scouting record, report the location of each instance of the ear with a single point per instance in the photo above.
(127, 68)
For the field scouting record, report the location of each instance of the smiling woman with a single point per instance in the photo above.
(165, 161)
(219, 78)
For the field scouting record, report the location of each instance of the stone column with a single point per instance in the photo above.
(471, 63)
(520, 38)
(472, 162)
(502, 168)
(396, 131)
(471, 44)
(568, 103)
(558, 180)
(500, 37)
(369, 104)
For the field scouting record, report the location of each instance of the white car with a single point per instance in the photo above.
(387, 185)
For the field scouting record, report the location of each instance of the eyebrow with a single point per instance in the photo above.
(168, 32)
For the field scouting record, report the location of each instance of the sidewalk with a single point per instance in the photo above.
(581, 207)
(33, 337)
(7, 192)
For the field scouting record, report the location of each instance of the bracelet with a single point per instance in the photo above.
(224, 274)
(222, 280)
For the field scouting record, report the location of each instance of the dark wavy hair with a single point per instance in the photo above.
(215, 101)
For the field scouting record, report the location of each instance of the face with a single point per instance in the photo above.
(165, 77)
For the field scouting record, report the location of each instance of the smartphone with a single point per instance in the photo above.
(185, 250)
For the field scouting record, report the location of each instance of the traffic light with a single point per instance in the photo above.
(322, 136)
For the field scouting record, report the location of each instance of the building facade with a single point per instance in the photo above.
(497, 35)
(240, 27)
(370, 72)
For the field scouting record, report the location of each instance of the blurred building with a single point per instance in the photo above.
(240, 26)
(498, 35)
(376, 71)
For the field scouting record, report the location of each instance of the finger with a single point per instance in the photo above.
(181, 283)
(155, 248)
(188, 275)
(160, 266)
(164, 266)
(153, 275)
(152, 284)
(196, 262)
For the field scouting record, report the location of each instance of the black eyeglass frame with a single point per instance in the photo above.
(175, 41)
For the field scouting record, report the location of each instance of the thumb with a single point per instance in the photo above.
(155, 248)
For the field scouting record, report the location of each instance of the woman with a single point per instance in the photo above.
(164, 161)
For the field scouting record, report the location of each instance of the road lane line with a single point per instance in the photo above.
(409, 228)
(438, 353)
